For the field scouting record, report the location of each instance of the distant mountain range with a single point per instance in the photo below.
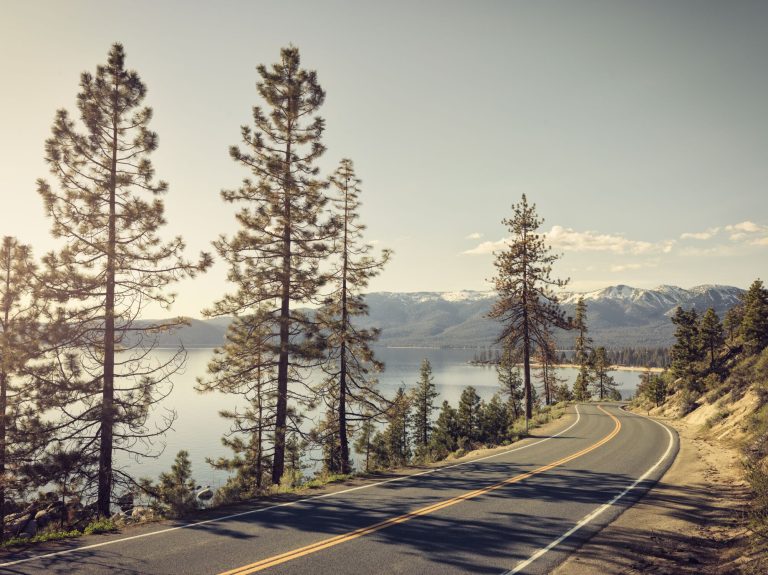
(618, 316)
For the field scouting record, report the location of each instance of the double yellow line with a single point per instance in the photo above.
(345, 537)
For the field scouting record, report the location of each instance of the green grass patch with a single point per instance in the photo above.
(41, 538)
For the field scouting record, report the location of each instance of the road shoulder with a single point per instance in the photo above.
(689, 523)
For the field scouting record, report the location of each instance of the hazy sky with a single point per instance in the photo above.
(640, 129)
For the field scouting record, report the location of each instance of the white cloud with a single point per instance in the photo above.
(754, 234)
(487, 247)
(569, 239)
(474, 236)
(710, 233)
(633, 266)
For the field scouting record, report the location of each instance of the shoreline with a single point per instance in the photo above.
(631, 368)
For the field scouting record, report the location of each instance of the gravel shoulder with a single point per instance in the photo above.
(691, 522)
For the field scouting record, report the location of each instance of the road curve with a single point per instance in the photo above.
(520, 511)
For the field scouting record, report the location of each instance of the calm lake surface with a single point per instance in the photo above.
(198, 427)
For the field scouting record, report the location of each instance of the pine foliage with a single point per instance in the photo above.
(527, 306)
(108, 209)
(274, 257)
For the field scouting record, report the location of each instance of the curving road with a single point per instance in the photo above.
(520, 511)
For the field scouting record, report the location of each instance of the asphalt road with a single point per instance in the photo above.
(522, 511)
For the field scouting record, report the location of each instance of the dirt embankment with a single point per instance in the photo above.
(692, 522)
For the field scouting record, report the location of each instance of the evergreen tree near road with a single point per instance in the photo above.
(754, 322)
(245, 366)
(526, 306)
(349, 388)
(445, 436)
(469, 414)
(582, 348)
(108, 210)
(604, 385)
(686, 350)
(396, 439)
(546, 356)
(424, 395)
(511, 382)
(22, 433)
(274, 257)
(711, 335)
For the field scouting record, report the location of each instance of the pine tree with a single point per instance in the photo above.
(274, 257)
(581, 386)
(526, 305)
(511, 382)
(495, 421)
(686, 350)
(445, 436)
(175, 489)
(22, 433)
(396, 438)
(732, 321)
(469, 414)
(424, 395)
(350, 360)
(583, 344)
(546, 356)
(604, 385)
(245, 366)
(711, 335)
(582, 348)
(113, 263)
(754, 323)
(364, 443)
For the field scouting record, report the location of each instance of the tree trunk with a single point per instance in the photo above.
(108, 392)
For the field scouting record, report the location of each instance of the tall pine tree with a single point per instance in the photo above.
(108, 210)
(754, 322)
(526, 305)
(604, 385)
(424, 395)
(711, 335)
(349, 387)
(22, 433)
(274, 257)
(582, 348)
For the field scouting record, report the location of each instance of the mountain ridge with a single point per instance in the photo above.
(618, 316)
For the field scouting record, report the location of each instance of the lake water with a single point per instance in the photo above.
(198, 427)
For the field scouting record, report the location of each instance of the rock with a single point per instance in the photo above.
(30, 528)
(138, 512)
(125, 501)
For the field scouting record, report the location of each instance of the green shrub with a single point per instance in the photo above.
(41, 538)
(102, 525)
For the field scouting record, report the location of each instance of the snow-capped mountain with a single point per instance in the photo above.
(663, 297)
(618, 316)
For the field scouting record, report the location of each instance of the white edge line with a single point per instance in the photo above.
(589, 517)
(287, 504)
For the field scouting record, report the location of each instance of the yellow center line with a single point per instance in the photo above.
(345, 537)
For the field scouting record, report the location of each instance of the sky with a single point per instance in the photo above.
(639, 129)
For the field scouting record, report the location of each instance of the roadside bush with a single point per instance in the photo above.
(100, 526)
(758, 509)
(687, 402)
